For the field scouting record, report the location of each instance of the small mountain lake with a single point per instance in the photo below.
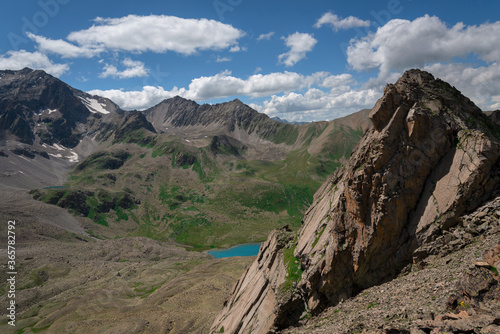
(240, 250)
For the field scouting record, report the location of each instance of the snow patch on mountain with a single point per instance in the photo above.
(94, 106)
(73, 157)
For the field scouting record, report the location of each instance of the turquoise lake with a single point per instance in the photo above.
(240, 250)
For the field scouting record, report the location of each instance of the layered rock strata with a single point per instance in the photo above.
(430, 157)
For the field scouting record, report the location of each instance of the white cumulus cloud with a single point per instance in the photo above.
(257, 85)
(143, 99)
(480, 84)
(65, 49)
(17, 60)
(316, 105)
(299, 44)
(157, 33)
(401, 44)
(340, 24)
(134, 33)
(313, 104)
(430, 44)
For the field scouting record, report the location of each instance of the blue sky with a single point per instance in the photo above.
(299, 60)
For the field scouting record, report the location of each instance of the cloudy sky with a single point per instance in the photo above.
(298, 60)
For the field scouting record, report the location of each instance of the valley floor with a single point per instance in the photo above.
(68, 282)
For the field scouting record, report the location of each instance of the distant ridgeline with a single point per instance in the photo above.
(209, 176)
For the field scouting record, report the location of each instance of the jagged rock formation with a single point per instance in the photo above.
(430, 157)
(257, 286)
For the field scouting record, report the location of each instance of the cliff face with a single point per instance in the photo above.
(430, 157)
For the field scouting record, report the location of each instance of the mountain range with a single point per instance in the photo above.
(169, 172)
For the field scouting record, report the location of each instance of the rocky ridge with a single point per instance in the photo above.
(46, 126)
(42, 116)
(430, 157)
(231, 118)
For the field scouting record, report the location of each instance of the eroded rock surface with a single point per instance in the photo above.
(430, 157)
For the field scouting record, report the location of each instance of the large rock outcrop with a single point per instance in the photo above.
(430, 157)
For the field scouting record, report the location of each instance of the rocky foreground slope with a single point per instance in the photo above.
(453, 291)
(430, 157)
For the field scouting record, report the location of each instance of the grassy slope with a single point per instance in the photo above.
(184, 193)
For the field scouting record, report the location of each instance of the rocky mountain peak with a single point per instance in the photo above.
(28, 70)
(430, 157)
(178, 100)
(237, 102)
(34, 104)
(230, 118)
